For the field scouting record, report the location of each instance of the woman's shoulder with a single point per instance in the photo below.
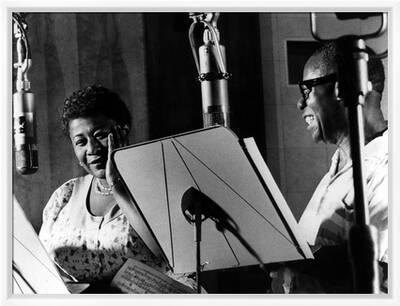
(67, 187)
(62, 194)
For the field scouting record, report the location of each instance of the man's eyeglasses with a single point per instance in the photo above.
(307, 85)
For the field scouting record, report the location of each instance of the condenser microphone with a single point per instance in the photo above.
(26, 153)
(194, 201)
(214, 87)
(210, 62)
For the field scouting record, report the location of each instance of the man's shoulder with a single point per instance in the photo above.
(378, 148)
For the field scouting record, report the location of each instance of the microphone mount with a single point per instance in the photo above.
(211, 35)
(345, 16)
(24, 58)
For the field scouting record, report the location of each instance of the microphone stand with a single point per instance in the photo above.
(192, 211)
(353, 87)
(214, 96)
(197, 223)
(197, 207)
(362, 236)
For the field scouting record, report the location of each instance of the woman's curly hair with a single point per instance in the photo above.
(92, 100)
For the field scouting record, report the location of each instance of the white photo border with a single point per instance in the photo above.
(6, 186)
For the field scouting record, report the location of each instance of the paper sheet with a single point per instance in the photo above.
(136, 277)
(34, 271)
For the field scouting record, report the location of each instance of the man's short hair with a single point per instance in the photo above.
(325, 59)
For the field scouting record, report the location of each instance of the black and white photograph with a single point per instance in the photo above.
(199, 151)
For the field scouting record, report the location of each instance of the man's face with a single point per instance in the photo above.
(324, 115)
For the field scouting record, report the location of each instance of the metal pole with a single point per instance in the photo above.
(353, 87)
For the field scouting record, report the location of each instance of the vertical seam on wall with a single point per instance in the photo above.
(276, 44)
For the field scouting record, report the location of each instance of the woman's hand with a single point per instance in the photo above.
(116, 139)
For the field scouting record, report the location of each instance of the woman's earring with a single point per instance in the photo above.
(125, 129)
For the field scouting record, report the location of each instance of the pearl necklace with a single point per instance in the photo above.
(101, 189)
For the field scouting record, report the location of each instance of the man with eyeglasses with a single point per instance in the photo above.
(329, 214)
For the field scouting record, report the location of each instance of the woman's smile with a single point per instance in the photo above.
(96, 160)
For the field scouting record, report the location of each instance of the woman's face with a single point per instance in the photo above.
(89, 137)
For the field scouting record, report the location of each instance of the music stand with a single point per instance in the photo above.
(229, 171)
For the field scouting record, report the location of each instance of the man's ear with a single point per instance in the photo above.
(337, 92)
(369, 88)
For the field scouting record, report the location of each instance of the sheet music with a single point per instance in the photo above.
(19, 285)
(34, 271)
(256, 157)
(136, 277)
